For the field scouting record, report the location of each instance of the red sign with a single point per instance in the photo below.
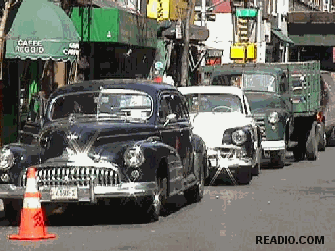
(333, 54)
(213, 61)
(221, 6)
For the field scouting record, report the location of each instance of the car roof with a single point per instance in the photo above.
(251, 69)
(148, 86)
(211, 89)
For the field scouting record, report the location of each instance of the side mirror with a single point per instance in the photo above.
(170, 118)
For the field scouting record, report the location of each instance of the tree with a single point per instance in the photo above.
(185, 57)
(5, 12)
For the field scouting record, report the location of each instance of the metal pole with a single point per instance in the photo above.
(259, 31)
(203, 23)
(203, 12)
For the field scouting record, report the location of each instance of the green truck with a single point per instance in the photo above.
(286, 102)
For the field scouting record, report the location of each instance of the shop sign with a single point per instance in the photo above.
(214, 53)
(72, 50)
(213, 61)
(333, 54)
(29, 46)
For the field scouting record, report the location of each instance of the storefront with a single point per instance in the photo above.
(41, 48)
(114, 43)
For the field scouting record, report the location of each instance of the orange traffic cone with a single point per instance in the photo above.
(32, 217)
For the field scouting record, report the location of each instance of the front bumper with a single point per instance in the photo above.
(231, 157)
(86, 194)
(273, 145)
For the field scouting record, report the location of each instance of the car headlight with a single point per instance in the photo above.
(273, 117)
(239, 137)
(7, 159)
(134, 156)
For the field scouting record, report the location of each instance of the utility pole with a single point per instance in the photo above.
(184, 60)
(259, 32)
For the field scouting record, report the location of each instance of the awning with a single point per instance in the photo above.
(287, 41)
(42, 30)
(114, 25)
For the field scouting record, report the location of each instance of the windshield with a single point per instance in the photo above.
(252, 82)
(213, 102)
(262, 101)
(113, 103)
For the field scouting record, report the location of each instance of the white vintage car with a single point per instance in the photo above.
(221, 117)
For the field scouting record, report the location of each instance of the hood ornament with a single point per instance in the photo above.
(72, 136)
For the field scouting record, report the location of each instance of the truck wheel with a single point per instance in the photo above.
(277, 158)
(13, 211)
(322, 137)
(298, 154)
(330, 137)
(312, 144)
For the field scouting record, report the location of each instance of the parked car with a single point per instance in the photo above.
(108, 139)
(221, 117)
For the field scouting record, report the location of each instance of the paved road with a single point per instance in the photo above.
(297, 200)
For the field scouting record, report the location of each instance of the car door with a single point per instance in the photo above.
(184, 146)
(170, 132)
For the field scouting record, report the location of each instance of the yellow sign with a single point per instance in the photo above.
(167, 10)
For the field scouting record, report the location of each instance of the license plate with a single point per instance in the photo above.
(64, 193)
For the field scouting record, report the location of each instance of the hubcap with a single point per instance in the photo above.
(201, 185)
(157, 203)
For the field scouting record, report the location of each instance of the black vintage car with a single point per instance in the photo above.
(102, 140)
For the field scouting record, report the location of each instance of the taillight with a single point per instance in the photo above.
(319, 116)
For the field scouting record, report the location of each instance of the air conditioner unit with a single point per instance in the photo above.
(267, 32)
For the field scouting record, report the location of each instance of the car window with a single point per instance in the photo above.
(198, 102)
(172, 104)
(111, 103)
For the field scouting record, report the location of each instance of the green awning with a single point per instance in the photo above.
(287, 41)
(112, 25)
(42, 30)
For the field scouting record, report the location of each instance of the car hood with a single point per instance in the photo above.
(211, 126)
(92, 135)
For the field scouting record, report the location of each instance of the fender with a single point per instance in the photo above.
(25, 156)
(198, 144)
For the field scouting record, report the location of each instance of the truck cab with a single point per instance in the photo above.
(285, 102)
(268, 94)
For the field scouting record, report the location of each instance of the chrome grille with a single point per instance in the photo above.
(261, 124)
(78, 176)
(224, 153)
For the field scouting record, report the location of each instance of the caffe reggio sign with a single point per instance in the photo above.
(36, 47)
(30, 47)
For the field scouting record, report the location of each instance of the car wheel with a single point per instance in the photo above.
(256, 169)
(154, 205)
(244, 176)
(196, 192)
(312, 144)
(13, 211)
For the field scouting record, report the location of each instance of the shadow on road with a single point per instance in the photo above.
(89, 215)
